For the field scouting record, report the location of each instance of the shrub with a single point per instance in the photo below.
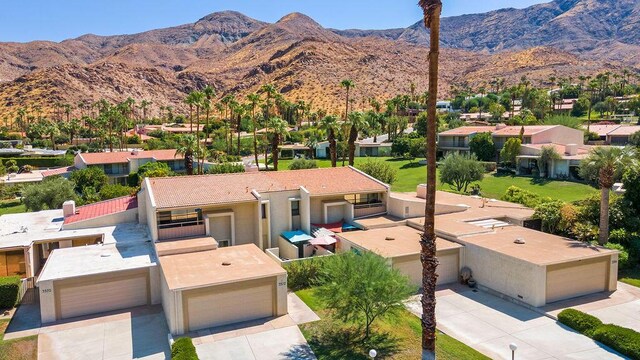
(459, 171)
(380, 170)
(305, 274)
(9, 288)
(483, 147)
(583, 323)
(520, 196)
(49, 194)
(489, 166)
(42, 162)
(626, 341)
(113, 191)
(550, 213)
(92, 176)
(183, 349)
(226, 168)
(623, 256)
(300, 164)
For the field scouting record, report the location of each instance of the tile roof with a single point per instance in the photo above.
(103, 208)
(58, 171)
(231, 188)
(625, 131)
(468, 130)
(121, 157)
(602, 130)
(582, 151)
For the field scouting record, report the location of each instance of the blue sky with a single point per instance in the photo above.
(26, 20)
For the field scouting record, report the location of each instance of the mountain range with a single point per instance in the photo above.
(235, 53)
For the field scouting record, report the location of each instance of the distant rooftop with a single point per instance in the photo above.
(121, 157)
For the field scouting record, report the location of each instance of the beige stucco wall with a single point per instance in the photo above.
(317, 208)
(78, 163)
(287, 249)
(559, 135)
(279, 212)
(245, 217)
(47, 302)
(510, 276)
(168, 304)
(147, 212)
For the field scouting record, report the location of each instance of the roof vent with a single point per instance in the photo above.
(520, 241)
(105, 255)
(388, 238)
(226, 263)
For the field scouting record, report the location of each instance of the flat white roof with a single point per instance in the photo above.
(96, 259)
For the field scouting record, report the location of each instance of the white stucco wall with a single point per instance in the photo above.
(279, 213)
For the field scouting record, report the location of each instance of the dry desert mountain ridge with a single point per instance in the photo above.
(235, 53)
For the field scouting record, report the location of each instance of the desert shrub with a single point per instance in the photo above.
(583, 323)
(520, 196)
(42, 162)
(550, 213)
(49, 194)
(226, 168)
(459, 171)
(9, 288)
(300, 164)
(305, 274)
(489, 166)
(624, 340)
(113, 191)
(183, 349)
(380, 170)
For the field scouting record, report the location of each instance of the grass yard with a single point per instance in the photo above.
(631, 277)
(411, 174)
(19, 349)
(11, 207)
(394, 338)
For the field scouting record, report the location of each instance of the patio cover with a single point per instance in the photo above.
(296, 236)
(323, 241)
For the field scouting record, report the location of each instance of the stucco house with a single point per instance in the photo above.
(119, 164)
(457, 140)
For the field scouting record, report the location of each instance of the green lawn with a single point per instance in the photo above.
(631, 277)
(411, 173)
(19, 349)
(11, 207)
(394, 338)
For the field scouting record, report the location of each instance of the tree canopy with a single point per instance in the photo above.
(459, 171)
(483, 147)
(49, 194)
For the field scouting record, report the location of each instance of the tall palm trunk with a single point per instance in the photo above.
(238, 130)
(275, 141)
(604, 216)
(332, 149)
(191, 118)
(353, 136)
(198, 137)
(432, 10)
(255, 139)
(188, 162)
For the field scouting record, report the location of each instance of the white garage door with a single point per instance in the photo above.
(447, 270)
(206, 310)
(101, 294)
(580, 279)
(335, 214)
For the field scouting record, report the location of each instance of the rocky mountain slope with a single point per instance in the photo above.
(235, 53)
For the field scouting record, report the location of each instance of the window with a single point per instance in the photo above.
(295, 208)
(179, 218)
(263, 211)
(362, 199)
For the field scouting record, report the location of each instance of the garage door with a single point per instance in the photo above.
(335, 214)
(221, 228)
(217, 306)
(565, 282)
(412, 267)
(100, 294)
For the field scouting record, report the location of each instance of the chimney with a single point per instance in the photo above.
(134, 152)
(69, 208)
(571, 149)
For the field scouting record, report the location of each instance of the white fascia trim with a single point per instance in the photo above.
(152, 200)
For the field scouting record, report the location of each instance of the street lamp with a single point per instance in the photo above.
(513, 348)
(373, 353)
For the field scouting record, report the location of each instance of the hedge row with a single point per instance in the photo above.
(41, 162)
(9, 288)
(624, 340)
(183, 349)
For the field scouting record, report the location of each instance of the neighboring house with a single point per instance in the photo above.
(364, 148)
(118, 165)
(290, 151)
(170, 128)
(621, 136)
(457, 140)
(601, 130)
(444, 106)
(567, 167)
(537, 134)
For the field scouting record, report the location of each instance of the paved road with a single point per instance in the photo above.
(489, 324)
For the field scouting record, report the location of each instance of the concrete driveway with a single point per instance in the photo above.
(621, 307)
(140, 333)
(489, 324)
(265, 339)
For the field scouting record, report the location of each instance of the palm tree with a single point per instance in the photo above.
(608, 163)
(330, 125)
(357, 123)
(254, 100)
(144, 106)
(431, 10)
(191, 101)
(348, 85)
(188, 146)
(209, 94)
(279, 131)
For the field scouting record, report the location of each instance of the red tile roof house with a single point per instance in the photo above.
(118, 165)
(621, 136)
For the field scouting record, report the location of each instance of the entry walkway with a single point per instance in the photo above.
(489, 324)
